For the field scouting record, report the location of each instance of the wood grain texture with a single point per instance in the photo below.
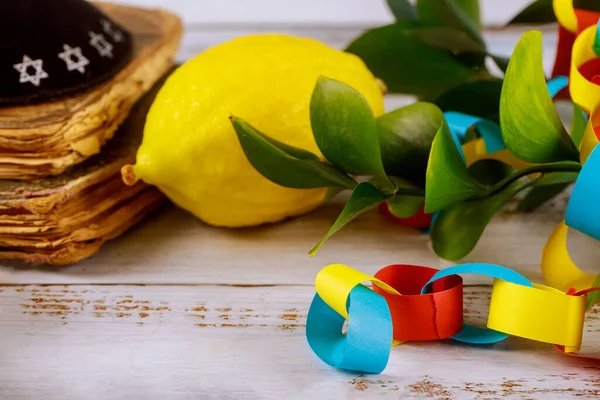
(173, 247)
(205, 342)
(175, 309)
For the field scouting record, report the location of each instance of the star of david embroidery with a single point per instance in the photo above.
(74, 59)
(102, 45)
(115, 34)
(26, 76)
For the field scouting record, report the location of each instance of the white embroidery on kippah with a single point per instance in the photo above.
(115, 34)
(25, 76)
(67, 56)
(104, 47)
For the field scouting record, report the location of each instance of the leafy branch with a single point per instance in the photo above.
(561, 166)
(531, 131)
(391, 150)
(447, 54)
(413, 160)
(447, 63)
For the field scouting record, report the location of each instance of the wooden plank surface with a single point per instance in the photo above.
(224, 342)
(173, 247)
(175, 309)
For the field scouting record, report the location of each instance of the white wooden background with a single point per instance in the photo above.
(175, 309)
(307, 12)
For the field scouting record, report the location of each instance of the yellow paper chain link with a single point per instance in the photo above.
(565, 14)
(541, 313)
(335, 282)
(558, 268)
(583, 92)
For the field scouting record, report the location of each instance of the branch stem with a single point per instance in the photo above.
(535, 169)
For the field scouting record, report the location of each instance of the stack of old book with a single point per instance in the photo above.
(77, 81)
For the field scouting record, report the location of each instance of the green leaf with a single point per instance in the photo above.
(402, 9)
(295, 152)
(403, 206)
(457, 229)
(530, 125)
(578, 125)
(405, 136)
(344, 128)
(542, 12)
(538, 195)
(449, 39)
(476, 61)
(471, 10)
(555, 178)
(332, 192)
(406, 64)
(590, 5)
(383, 185)
(537, 12)
(448, 13)
(501, 61)
(488, 172)
(547, 187)
(286, 165)
(448, 179)
(406, 199)
(461, 99)
(593, 297)
(556, 172)
(470, 134)
(365, 197)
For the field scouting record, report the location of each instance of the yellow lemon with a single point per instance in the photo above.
(190, 150)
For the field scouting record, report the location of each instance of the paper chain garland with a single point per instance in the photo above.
(584, 88)
(415, 303)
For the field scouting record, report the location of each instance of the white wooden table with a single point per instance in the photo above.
(175, 309)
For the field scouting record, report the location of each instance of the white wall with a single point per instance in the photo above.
(306, 12)
(334, 22)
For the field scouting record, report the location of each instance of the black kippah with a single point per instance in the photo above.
(53, 48)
